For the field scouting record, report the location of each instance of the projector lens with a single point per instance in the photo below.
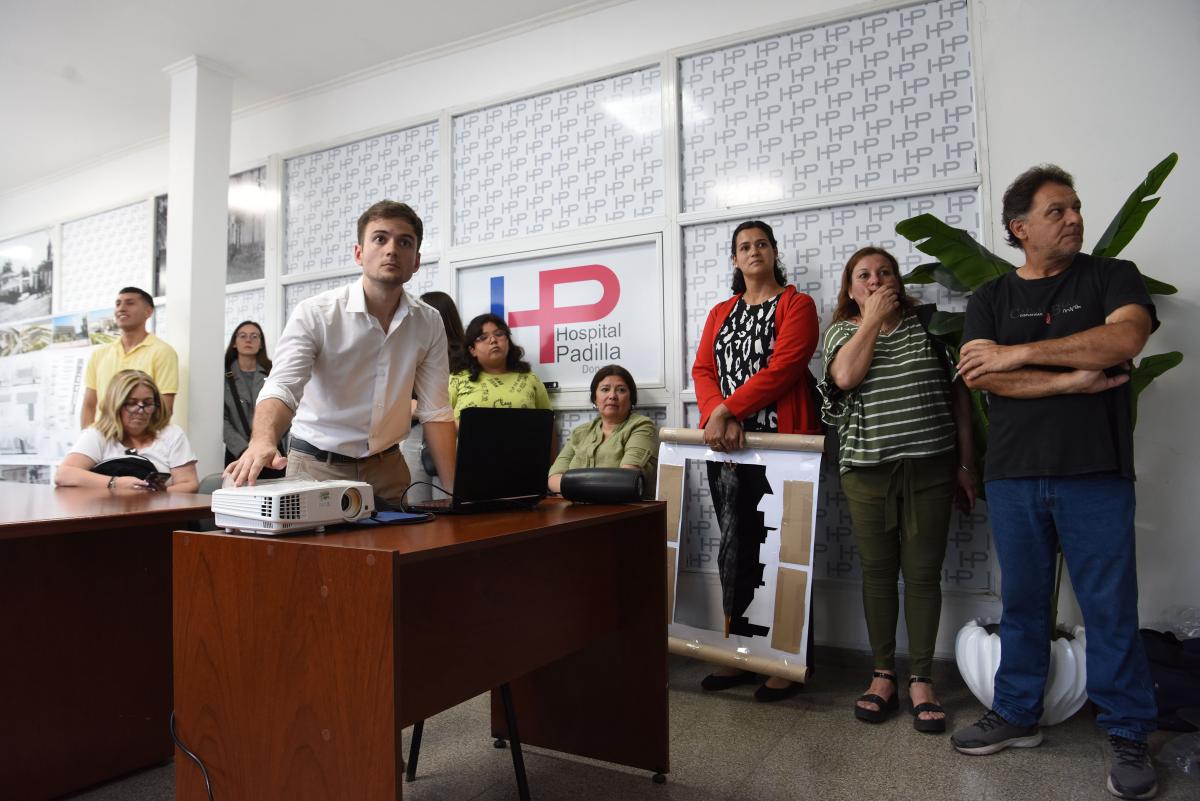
(351, 502)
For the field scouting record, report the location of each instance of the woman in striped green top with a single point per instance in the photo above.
(905, 451)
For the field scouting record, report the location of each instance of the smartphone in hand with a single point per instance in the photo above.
(158, 481)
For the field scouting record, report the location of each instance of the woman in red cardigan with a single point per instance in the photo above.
(751, 374)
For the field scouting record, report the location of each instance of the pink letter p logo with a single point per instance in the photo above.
(547, 315)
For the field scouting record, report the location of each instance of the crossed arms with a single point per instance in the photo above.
(1015, 371)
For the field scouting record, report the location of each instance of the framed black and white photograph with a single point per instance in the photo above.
(26, 276)
(160, 246)
(247, 238)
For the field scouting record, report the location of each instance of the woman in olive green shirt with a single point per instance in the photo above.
(616, 438)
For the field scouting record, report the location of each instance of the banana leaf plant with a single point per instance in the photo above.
(963, 265)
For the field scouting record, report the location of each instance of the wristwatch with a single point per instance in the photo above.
(112, 482)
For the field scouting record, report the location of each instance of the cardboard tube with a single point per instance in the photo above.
(724, 658)
(764, 442)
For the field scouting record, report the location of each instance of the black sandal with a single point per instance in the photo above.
(926, 725)
(886, 706)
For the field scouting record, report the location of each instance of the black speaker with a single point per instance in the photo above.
(602, 485)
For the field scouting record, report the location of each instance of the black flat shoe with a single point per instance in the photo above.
(714, 683)
(767, 695)
(926, 725)
(886, 705)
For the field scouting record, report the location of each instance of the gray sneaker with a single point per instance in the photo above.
(993, 733)
(1130, 774)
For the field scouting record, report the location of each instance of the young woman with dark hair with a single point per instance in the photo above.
(246, 368)
(495, 372)
(751, 374)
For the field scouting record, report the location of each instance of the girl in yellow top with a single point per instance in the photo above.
(496, 375)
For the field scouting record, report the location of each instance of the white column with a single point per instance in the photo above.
(197, 223)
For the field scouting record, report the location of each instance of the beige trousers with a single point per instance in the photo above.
(387, 473)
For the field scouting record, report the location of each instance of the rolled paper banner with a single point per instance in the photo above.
(725, 658)
(772, 442)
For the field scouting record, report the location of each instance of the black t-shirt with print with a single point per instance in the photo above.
(1061, 435)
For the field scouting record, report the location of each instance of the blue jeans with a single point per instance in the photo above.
(1092, 518)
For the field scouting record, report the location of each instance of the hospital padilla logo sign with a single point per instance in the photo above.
(592, 344)
(575, 312)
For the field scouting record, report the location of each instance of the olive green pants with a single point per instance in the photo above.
(901, 511)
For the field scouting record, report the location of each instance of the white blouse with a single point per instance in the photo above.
(170, 448)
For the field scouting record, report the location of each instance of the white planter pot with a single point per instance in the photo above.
(978, 655)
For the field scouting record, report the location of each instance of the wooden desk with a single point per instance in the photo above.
(298, 661)
(85, 634)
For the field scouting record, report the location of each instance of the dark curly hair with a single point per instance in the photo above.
(1018, 198)
(515, 361)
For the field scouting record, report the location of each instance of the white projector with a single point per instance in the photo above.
(291, 505)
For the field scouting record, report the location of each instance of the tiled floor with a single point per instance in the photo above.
(725, 747)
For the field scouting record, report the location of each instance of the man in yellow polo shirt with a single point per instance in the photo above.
(137, 349)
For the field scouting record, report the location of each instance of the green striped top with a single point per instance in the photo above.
(901, 410)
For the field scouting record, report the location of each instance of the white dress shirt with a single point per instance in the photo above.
(350, 382)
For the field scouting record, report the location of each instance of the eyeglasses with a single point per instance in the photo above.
(140, 406)
(498, 335)
(249, 337)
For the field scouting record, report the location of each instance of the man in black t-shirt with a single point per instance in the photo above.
(1051, 343)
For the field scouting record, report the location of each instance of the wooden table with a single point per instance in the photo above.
(298, 661)
(85, 634)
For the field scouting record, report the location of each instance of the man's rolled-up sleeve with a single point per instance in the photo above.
(294, 358)
(431, 384)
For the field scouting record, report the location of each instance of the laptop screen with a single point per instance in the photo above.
(502, 453)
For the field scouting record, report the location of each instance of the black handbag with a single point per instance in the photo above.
(602, 485)
(131, 464)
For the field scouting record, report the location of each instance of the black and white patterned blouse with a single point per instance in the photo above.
(742, 348)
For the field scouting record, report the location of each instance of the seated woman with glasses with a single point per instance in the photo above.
(132, 421)
(496, 374)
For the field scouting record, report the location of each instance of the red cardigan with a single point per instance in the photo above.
(784, 380)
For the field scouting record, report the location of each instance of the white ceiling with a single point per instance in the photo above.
(82, 79)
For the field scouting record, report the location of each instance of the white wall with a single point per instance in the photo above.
(1103, 87)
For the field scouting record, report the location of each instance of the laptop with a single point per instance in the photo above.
(502, 461)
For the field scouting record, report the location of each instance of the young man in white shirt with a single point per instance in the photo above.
(346, 368)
